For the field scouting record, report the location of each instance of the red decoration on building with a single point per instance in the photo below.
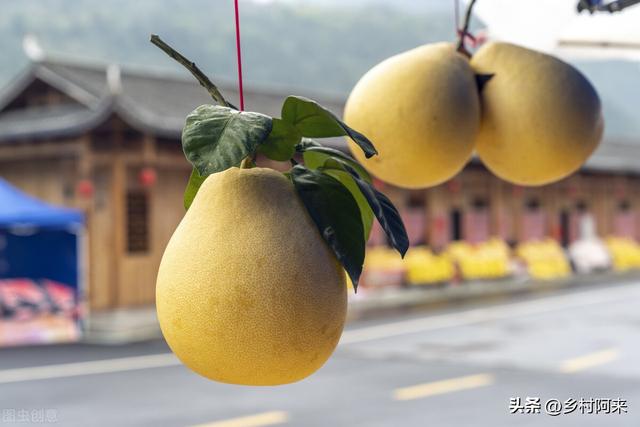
(440, 235)
(517, 191)
(85, 188)
(454, 186)
(148, 177)
(572, 191)
(555, 232)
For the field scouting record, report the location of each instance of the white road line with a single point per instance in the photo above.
(88, 368)
(587, 361)
(258, 420)
(445, 386)
(485, 314)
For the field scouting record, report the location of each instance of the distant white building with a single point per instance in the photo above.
(556, 26)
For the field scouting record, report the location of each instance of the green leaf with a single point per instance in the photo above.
(388, 217)
(315, 121)
(336, 214)
(195, 181)
(326, 159)
(386, 213)
(366, 214)
(282, 141)
(315, 157)
(216, 138)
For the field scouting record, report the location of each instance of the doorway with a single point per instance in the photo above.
(456, 224)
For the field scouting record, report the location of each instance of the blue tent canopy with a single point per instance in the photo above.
(18, 208)
(40, 266)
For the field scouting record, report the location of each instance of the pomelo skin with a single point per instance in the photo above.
(248, 292)
(541, 118)
(421, 108)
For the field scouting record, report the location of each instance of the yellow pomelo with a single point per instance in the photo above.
(421, 110)
(248, 292)
(541, 118)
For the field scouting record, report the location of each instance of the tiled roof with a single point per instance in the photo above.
(158, 103)
(153, 102)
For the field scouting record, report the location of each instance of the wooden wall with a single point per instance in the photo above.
(510, 212)
(111, 160)
(112, 157)
(50, 178)
(125, 278)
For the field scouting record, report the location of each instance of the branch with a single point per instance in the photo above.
(465, 29)
(597, 6)
(193, 69)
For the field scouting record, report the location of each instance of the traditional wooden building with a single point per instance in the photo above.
(107, 140)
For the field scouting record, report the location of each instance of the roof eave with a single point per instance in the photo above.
(17, 85)
(97, 115)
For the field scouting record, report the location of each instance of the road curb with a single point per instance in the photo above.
(415, 298)
(141, 324)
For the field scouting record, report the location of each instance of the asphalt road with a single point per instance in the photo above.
(456, 367)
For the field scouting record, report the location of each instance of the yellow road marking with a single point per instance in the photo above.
(442, 387)
(589, 361)
(258, 420)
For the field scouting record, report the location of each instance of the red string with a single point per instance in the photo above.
(468, 37)
(239, 55)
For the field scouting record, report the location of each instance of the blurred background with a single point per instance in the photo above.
(509, 297)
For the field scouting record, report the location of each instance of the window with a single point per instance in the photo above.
(582, 206)
(479, 204)
(417, 199)
(137, 221)
(456, 224)
(565, 228)
(624, 206)
(532, 204)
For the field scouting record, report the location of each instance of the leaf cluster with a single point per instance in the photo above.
(336, 190)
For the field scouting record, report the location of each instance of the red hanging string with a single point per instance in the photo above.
(456, 16)
(239, 55)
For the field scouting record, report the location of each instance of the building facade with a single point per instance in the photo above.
(107, 141)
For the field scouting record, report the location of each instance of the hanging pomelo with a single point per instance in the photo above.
(251, 288)
(541, 118)
(248, 292)
(422, 109)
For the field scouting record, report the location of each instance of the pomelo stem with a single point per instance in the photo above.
(191, 66)
(465, 30)
(247, 163)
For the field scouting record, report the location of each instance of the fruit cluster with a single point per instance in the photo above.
(625, 253)
(486, 260)
(531, 118)
(544, 259)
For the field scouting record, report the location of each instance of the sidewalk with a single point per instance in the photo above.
(389, 301)
(140, 324)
